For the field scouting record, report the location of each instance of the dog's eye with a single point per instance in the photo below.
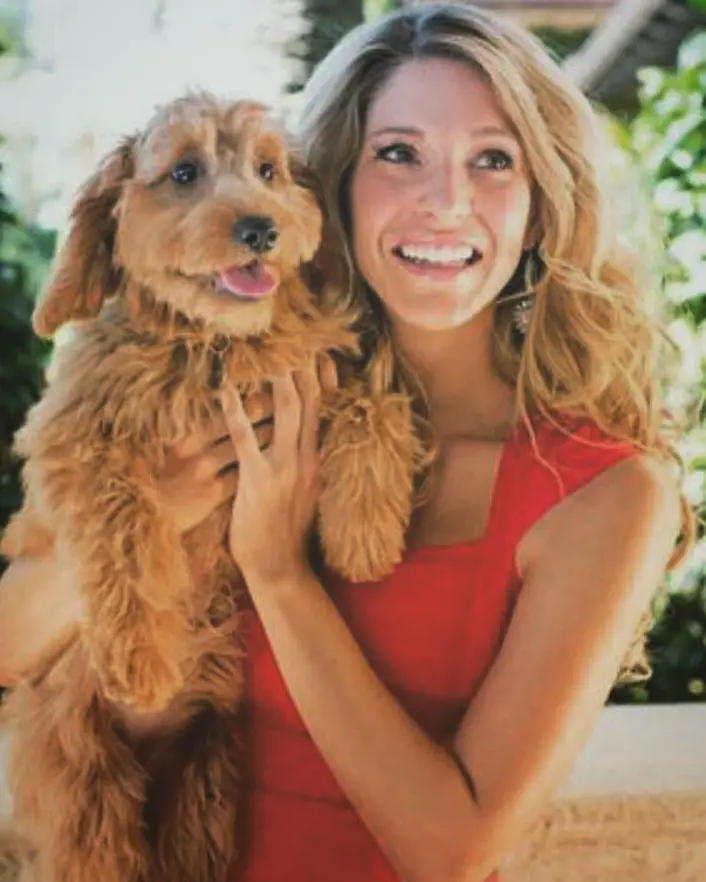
(266, 170)
(185, 173)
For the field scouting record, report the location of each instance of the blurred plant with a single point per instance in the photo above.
(373, 9)
(562, 42)
(24, 256)
(667, 138)
(325, 22)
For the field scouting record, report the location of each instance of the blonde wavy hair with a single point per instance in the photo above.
(593, 348)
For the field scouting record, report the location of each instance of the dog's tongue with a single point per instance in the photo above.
(253, 280)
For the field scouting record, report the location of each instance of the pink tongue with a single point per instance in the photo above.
(251, 281)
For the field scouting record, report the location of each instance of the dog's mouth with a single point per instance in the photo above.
(250, 282)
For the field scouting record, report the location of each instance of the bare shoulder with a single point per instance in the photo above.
(631, 505)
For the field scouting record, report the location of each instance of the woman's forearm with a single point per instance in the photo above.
(406, 788)
(38, 618)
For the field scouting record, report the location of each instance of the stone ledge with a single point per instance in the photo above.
(646, 838)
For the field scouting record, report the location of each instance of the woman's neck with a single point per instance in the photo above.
(467, 397)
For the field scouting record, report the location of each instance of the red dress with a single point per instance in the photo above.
(430, 630)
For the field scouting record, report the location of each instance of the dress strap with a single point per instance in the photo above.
(538, 472)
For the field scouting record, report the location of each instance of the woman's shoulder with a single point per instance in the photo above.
(554, 459)
(567, 452)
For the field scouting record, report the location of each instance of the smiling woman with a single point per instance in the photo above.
(409, 728)
(441, 209)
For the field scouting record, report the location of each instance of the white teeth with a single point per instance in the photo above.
(447, 254)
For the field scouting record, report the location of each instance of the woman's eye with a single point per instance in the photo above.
(185, 173)
(266, 170)
(397, 154)
(495, 160)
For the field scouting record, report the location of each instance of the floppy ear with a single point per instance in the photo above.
(85, 275)
(324, 270)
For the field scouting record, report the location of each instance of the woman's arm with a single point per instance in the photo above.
(39, 615)
(589, 570)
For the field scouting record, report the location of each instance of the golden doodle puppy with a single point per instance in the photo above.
(195, 256)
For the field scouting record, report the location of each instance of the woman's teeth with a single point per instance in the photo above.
(444, 256)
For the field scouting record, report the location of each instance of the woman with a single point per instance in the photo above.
(409, 729)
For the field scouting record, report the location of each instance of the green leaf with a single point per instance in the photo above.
(692, 53)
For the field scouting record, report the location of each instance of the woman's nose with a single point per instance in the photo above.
(448, 192)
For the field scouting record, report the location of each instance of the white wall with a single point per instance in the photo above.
(98, 68)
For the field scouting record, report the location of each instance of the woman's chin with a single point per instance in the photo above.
(433, 320)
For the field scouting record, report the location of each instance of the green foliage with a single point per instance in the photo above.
(25, 252)
(668, 139)
(325, 22)
(561, 42)
(373, 9)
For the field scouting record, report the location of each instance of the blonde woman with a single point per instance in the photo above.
(409, 729)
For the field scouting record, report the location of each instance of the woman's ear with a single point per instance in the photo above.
(85, 274)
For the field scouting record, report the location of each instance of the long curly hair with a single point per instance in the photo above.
(594, 347)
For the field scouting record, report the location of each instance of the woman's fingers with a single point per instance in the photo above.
(201, 442)
(219, 457)
(288, 413)
(258, 407)
(240, 430)
(310, 392)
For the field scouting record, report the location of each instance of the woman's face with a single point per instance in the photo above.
(440, 195)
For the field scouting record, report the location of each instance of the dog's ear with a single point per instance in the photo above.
(322, 267)
(303, 176)
(85, 274)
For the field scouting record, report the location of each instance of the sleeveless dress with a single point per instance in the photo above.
(430, 630)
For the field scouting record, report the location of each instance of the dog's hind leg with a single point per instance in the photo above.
(78, 790)
(193, 806)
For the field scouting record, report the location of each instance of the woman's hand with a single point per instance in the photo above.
(277, 491)
(202, 472)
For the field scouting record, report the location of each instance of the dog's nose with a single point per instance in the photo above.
(257, 232)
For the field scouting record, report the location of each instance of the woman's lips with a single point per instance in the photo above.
(442, 261)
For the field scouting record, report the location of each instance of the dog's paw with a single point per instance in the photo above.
(147, 680)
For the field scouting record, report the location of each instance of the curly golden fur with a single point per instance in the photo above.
(146, 266)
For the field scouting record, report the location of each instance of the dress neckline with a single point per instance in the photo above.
(494, 520)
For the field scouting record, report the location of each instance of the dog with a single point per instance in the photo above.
(196, 256)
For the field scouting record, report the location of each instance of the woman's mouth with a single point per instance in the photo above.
(440, 263)
(442, 257)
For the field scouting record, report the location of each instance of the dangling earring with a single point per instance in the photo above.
(522, 309)
(521, 314)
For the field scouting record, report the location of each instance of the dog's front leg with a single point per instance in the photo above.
(135, 582)
(369, 458)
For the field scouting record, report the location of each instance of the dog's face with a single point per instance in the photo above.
(206, 208)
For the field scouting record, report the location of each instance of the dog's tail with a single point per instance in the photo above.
(15, 856)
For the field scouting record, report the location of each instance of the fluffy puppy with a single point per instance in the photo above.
(187, 264)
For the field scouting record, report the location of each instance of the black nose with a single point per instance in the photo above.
(257, 232)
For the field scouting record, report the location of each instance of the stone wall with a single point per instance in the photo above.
(634, 809)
